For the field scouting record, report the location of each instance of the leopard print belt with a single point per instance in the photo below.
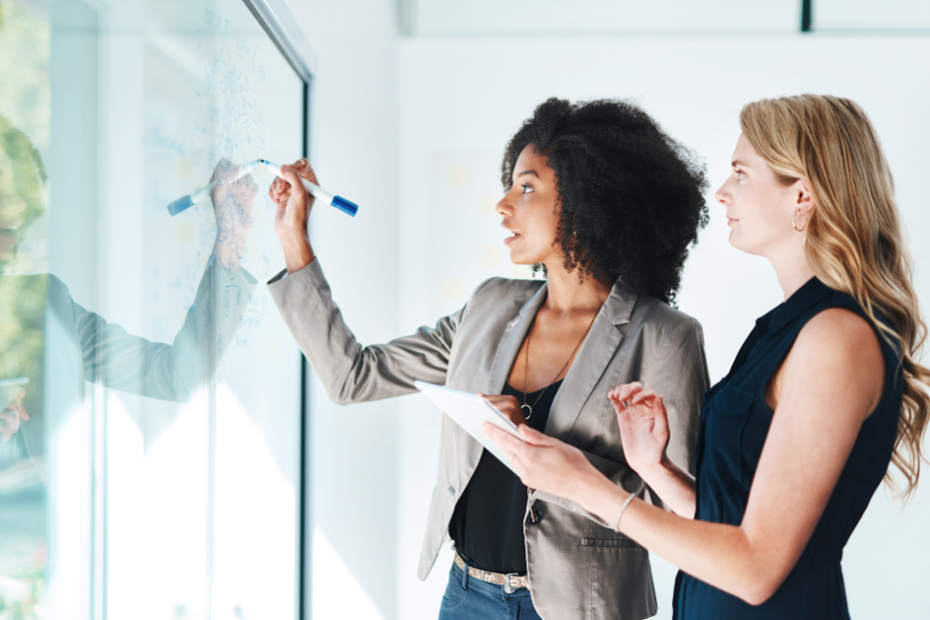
(510, 581)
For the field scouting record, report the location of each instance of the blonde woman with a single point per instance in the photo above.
(825, 393)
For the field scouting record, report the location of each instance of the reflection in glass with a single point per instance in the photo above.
(150, 401)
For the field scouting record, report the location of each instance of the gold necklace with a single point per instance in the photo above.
(526, 408)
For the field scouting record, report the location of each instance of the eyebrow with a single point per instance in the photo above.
(736, 163)
(525, 172)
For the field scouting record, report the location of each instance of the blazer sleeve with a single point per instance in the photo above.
(349, 371)
(680, 375)
(133, 364)
(678, 372)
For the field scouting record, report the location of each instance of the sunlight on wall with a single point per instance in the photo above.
(336, 592)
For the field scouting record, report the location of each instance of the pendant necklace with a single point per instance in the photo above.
(526, 408)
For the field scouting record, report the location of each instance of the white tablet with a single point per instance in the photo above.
(469, 411)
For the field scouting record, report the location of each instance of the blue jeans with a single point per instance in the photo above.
(467, 598)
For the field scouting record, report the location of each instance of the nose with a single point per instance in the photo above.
(722, 195)
(504, 208)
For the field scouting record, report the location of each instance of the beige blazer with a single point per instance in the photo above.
(578, 568)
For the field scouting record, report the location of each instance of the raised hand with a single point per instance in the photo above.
(292, 211)
(11, 417)
(232, 204)
(643, 422)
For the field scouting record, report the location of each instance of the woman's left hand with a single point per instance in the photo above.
(543, 462)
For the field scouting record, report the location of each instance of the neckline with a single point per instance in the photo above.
(528, 394)
(801, 300)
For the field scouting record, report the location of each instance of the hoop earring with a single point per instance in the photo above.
(794, 223)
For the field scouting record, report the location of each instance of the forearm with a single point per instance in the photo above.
(673, 485)
(298, 253)
(618, 474)
(349, 371)
(718, 554)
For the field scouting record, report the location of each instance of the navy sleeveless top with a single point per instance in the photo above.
(734, 423)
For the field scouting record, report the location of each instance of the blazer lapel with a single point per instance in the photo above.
(593, 358)
(512, 340)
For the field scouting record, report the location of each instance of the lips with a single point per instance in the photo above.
(513, 237)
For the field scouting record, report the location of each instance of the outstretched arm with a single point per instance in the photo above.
(822, 401)
(173, 372)
(350, 371)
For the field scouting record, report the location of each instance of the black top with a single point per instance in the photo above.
(734, 423)
(487, 525)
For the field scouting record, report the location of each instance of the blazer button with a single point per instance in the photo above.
(534, 517)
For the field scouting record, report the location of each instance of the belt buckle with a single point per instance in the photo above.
(509, 589)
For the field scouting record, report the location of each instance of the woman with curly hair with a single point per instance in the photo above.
(824, 395)
(607, 205)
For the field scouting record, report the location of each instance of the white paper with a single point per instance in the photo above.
(469, 411)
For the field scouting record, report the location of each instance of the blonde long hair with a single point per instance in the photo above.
(854, 240)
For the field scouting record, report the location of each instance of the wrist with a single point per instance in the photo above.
(226, 256)
(655, 470)
(297, 253)
(598, 495)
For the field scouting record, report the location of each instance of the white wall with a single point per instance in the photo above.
(413, 130)
(353, 451)
(460, 100)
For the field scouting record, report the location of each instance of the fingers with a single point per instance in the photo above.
(303, 168)
(508, 405)
(293, 179)
(224, 170)
(507, 442)
(534, 437)
(279, 192)
(642, 396)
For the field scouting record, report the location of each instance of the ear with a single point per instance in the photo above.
(804, 197)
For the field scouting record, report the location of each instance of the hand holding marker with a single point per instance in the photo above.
(186, 202)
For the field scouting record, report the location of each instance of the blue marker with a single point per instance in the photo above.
(186, 202)
(339, 202)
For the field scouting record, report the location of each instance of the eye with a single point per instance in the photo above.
(739, 173)
(526, 188)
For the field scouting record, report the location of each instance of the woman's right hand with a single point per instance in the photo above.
(508, 405)
(293, 205)
(643, 422)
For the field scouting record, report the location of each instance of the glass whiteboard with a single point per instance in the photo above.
(151, 466)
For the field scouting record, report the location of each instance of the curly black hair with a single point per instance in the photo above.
(631, 197)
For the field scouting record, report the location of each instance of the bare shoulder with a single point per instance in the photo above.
(841, 349)
(838, 332)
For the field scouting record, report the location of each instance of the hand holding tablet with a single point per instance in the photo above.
(470, 411)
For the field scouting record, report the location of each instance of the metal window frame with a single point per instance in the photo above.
(279, 23)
